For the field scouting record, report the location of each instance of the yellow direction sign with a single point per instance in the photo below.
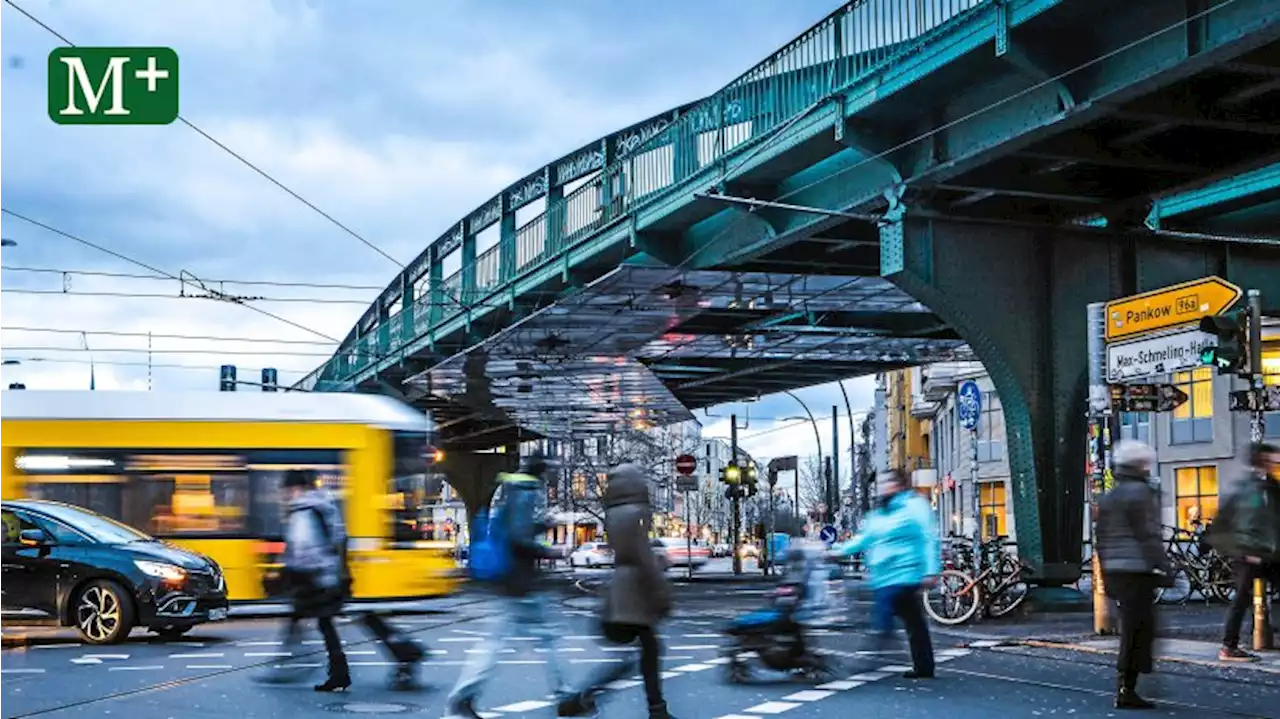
(1169, 306)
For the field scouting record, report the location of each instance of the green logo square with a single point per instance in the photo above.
(113, 85)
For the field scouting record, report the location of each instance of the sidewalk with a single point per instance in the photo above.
(1185, 651)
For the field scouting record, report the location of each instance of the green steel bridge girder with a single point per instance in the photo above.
(1018, 296)
(865, 144)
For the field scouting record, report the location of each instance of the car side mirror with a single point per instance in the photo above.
(33, 538)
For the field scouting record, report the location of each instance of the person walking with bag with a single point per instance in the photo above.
(513, 555)
(1134, 564)
(637, 596)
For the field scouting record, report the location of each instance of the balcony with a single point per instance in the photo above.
(924, 478)
(941, 378)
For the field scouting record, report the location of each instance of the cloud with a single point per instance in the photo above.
(396, 118)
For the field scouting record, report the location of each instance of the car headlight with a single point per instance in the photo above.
(160, 570)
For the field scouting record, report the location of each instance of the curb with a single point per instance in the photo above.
(1251, 666)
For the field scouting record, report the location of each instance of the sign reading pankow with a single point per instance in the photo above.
(1152, 356)
(113, 85)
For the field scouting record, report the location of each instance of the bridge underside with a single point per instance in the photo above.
(644, 345)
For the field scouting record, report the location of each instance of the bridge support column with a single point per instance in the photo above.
(1018, 297)
(473, 475)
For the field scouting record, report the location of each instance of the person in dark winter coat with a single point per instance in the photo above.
(314, 569)
(316, 572)
(1134, 564)
(637, 596)
(1247, 529)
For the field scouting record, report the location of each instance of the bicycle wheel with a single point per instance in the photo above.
(954, 604)
(1009, 599)
(1221, 581)
(1181, 591)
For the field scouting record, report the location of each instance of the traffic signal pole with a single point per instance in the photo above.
(1099, 412)
(734, 502)
(1257, 420)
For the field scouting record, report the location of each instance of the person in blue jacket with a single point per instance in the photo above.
(901, 552)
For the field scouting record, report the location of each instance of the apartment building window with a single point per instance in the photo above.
(1197, 494)
(1271, 375)
(991, 507)
(1136, 425)
(1193, 419)
(990, 447)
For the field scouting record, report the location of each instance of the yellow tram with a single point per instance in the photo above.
(202, 470)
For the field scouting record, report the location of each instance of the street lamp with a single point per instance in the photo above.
(817, 438)
(6, 242)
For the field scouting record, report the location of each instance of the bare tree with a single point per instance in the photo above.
(813, 484)
(653, 450)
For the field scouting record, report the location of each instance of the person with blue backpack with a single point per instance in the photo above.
(505, 556)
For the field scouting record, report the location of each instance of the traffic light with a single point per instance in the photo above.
(731, 474)
(227, 381)
(750, 480)
(1229, 354)
(270, 380)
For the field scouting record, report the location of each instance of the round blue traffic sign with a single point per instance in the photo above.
(828, 534)
(969, 404)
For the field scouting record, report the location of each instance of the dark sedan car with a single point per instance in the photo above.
(68, 566)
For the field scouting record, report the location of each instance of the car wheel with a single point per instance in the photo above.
(103, 612)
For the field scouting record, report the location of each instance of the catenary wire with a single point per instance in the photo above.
(156, 270)
(164, 351)
(156, 335)
(121, 363)
(234, 299)
(222, 146)
(216, 281)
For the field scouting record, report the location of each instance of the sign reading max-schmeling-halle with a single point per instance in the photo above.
(1159, 355)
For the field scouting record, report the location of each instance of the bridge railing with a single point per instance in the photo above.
(858, 39)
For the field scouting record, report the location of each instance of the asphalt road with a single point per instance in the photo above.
(211, 674)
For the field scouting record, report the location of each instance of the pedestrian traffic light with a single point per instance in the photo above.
(227, 382)
(1229, 353)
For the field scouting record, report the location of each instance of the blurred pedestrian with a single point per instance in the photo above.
(1247, 530)
(319, 581)
(637, 596)
(1134, 564)
(903, 558)
(524, 612)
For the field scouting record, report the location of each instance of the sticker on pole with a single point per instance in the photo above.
(969, 404)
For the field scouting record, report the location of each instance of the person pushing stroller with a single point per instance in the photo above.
(777, 634)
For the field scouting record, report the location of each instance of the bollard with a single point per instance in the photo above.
(1101, 607)
(1263, 638)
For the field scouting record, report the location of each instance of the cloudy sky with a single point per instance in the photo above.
(395, 117)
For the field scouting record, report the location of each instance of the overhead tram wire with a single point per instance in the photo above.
(217, 281)
(241, 158)
(221, 296)
(156, 335)
(118, 363)
(157, 270)
(163, 351)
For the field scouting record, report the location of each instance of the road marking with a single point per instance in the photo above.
(468, 631)
(85, 660)
(361, 653)
(892, 668)
(106, 656)
(261, 644)
(692, 667)
(21, 671)
(524, 706)
(197, 655)
(868, 677)
(840, 685)
(197, 645)
(606, 660)
(623, 684)
(459, 639)
(737, 716)
(505, 650)
(772, 707)
(517, 661)
(700, 636)
(268, 654)
(212, 666)
(677, 657)
(147, 668)
(808, 695)
(694, 647)
(984, 643)
(58, 646)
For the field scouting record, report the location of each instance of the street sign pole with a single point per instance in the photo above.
(1257, 420)
(1099, 435)
(733, 502)
(970, 411)
(688, 535)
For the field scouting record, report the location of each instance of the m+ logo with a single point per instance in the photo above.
(113, 85)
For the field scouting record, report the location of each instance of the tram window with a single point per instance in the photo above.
(267, 510)
(190, 504)
(103, 497)
(407, 493)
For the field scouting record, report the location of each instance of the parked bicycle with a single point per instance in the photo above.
(997, 590)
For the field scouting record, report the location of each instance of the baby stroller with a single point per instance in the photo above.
(777, 634)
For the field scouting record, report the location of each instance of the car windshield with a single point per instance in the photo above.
(97, 527)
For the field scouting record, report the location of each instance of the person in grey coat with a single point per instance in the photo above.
(637, 597)
(1134, 564)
